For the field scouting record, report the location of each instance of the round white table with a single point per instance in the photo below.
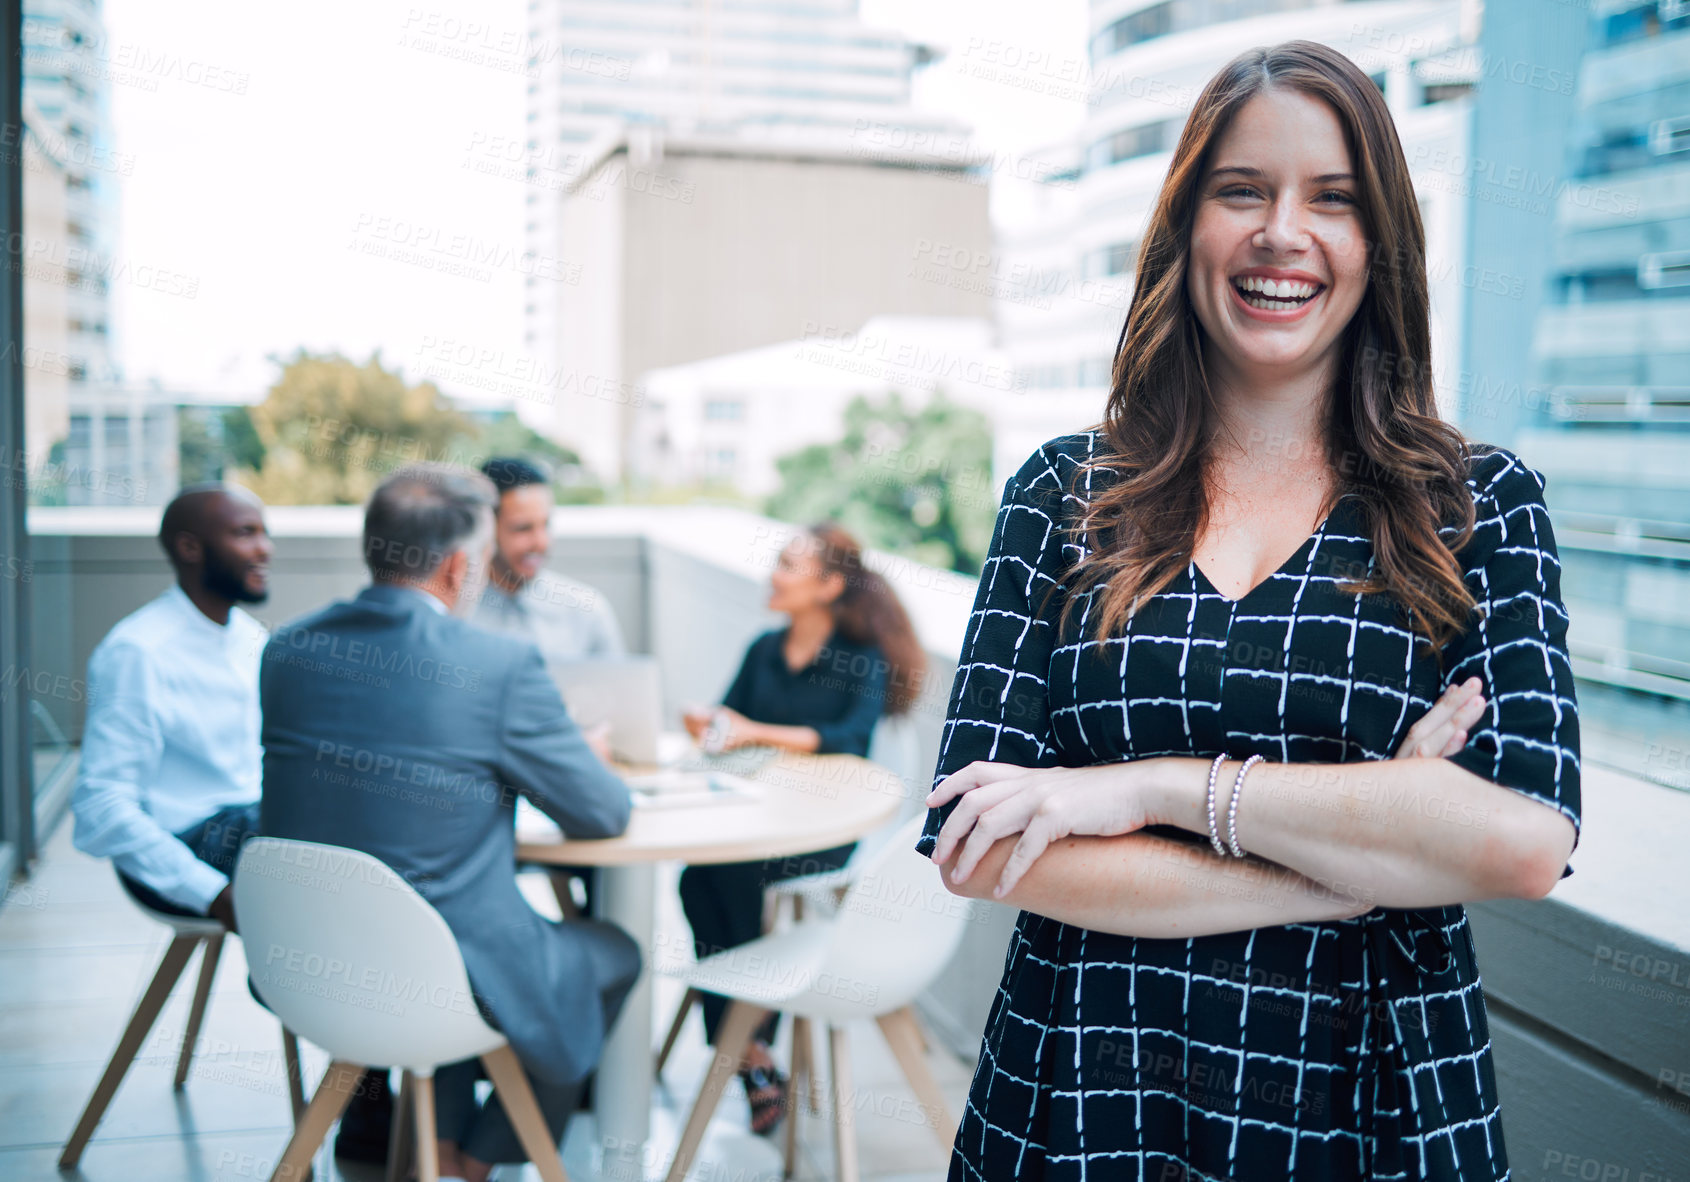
(802, 803)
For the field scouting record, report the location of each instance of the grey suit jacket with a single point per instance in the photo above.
(394, 729)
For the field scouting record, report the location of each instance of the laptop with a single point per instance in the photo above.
(626, 692)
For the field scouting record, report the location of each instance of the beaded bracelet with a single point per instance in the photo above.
(1214, 832)
(1232, 809)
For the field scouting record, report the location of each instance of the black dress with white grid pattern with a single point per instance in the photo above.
(1341, 1050)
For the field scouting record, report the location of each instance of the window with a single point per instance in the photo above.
(1443, 92)
(1669, 268)
(1143, 25)
(1117, 258)
(720, 463)
(1667, 136)
(1132, 142)
(723, 410)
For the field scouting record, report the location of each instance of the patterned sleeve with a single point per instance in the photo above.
(1528, 739)
(998, 707)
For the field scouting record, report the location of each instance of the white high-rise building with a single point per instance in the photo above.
(1069, 250)
(91, 441)
(711, 176)
(769, 69)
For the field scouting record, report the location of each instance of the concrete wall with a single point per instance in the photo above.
(691, 255)
(767, 246)
(85, 583)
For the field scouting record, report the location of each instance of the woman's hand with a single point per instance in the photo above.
(597, 738)
(734, 729)
(737, 730)
(1442, 730)
(995, 800)
(697, 720)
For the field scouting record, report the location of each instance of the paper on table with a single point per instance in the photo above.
(672, 789)
(656, 790)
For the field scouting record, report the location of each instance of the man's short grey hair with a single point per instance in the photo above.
(420, 515)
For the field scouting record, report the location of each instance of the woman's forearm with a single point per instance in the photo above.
(768, 734)
(1142, 884)
(1404, 832)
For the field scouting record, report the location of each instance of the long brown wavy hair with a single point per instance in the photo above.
(868, 612)
(1385, 442)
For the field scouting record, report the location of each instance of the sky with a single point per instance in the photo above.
(284, 165)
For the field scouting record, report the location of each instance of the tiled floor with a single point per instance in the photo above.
(75, 956)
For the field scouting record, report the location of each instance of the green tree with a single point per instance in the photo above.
(503, 433)
(915, 482)
(331, 429)
(213, 440)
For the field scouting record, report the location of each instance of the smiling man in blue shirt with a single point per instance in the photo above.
(169, 781)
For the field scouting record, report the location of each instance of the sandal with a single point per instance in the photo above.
(766, 1089)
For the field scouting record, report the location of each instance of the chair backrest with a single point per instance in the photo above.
(896, 746)
(897, 927)
(349, 956)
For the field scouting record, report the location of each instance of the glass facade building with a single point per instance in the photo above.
(1610, 423)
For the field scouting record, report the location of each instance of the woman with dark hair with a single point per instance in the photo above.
(846, 656)
(1266, 677)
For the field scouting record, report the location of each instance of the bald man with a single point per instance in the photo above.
(169, 782)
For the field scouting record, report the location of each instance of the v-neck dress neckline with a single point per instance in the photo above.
(1209, 585)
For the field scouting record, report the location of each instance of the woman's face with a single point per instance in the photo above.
(799, 581)
(1276, 208)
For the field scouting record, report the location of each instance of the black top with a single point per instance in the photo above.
(1340, 1050)
(840, 693)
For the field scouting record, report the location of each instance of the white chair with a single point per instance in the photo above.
(352, 958)
(188, 933)
(895, 746)
(893, 933)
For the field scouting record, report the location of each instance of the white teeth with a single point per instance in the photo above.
(1277, 288)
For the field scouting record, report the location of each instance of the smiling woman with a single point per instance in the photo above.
(1266, 677)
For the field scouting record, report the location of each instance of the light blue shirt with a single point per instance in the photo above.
(172, 737)
(570, 621)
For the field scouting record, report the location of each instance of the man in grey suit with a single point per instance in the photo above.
(393, 726)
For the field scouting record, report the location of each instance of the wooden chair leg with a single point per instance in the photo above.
(903, 1035)
(401, 1142)
(690, 999)
(844, 1128)
(510, 1085)
(428, 1153)
(196, 1012)
(296, 1077)
(801, 1080)
(804, 1051)
(738, 1024)
(146, 1013)
(561, 880)
(332, 1096)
